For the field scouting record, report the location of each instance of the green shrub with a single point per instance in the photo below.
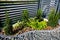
(25, 15)
(17, 25)
(7, 26)
(53, 18)
(39, 15)
(7, 20)
(35, 24)
(7, 30)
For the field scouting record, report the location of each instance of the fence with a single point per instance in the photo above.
(14, 8)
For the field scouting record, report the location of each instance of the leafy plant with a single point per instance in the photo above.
(53, 18)
(42, 25)
(17, 25)
(7, 26)
(39, 15)
(7, 30)
(35, 24)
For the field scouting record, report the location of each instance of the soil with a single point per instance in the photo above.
(26, 29)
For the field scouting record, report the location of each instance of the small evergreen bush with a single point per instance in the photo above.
(53, 18)
(7, 30)
(39, 15)
(25, 17)
(7, 26)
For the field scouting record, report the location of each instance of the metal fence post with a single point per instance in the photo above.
(57, 6)
(39, 4)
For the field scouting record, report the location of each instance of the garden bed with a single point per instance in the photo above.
(27, 29)
(30, 24)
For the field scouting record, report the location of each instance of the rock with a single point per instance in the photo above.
(36, 35)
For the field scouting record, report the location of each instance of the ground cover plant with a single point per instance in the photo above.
(29, 24)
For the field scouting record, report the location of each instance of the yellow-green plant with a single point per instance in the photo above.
(17, 25)
(53, 18)
(35, 24)
(42, 25)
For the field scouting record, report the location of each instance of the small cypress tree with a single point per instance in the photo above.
(25, 17)
(7, 26)
(39, 15)
(7, 20)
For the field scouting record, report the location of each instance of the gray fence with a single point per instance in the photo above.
(15, 8)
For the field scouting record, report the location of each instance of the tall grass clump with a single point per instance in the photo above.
(53, 18)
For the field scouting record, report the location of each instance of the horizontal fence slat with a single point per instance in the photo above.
(15, 9)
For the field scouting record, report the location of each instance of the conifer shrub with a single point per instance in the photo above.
(25, 17)
(7, 26)
(39, 15)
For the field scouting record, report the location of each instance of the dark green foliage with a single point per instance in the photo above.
(39, 15)
(7, 28)
(25, 17)
(53, 18)
(7, 20)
